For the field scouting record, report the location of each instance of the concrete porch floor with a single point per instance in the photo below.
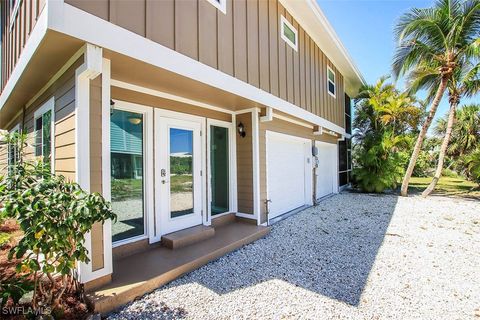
(135, 275)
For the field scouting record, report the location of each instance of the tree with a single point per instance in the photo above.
(472, 163)
(464, 83)
(383, 118)
(54, 215)
(466, 130)
(431, 43)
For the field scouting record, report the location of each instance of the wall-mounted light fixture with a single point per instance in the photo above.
(112, 105)
(241, 130)
(135, 120)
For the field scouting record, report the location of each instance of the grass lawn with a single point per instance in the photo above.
(447, 186)
(123, 189)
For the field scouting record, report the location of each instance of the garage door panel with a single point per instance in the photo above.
(286, 163)
(327, 169)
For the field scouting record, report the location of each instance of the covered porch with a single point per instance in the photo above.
(145, 271)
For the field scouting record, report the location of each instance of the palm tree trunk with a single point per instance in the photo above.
(443, 151)
(421, 136)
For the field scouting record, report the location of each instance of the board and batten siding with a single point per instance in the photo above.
(245, 165)
(245, 43)
(16, 29)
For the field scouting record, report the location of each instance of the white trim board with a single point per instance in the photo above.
(232, 194)
(49, 105)
(89, 28)
(150, 230)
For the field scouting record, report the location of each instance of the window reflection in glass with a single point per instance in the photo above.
(181, 172)
(127, 187)
(219, 169)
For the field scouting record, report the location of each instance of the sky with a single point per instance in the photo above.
(366, 29)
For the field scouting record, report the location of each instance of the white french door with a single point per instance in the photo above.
(178, 167)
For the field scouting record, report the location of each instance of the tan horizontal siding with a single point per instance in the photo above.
(245, 43)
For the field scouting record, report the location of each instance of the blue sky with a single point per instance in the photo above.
(366, 29)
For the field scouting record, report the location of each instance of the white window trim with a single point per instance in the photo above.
(47, 106)
(232, 172)
(14, 13)
(283, 22)
(16, 128)
(334, 83)
(220, 5)
(149, 214)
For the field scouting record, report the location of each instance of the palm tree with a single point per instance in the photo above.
(466, 130)
(472, 163)
(382, 105)
(431, 43)
(464, 83)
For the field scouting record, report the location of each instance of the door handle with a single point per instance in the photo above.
(165, 181)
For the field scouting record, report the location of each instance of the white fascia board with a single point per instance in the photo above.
(91, 29)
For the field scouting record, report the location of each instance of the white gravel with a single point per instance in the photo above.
(354, 256)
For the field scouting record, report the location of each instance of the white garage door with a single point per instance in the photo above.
(327, 170)
(289, 173)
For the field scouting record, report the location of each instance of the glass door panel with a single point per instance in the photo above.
(181, 172)
(127, 174)
(219, 167)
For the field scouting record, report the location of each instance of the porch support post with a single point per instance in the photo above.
(256, 164)
(93, 66)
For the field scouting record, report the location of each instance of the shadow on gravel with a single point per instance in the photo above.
(329, 249)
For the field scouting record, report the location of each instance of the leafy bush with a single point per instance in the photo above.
(384, 120)
(449, 173)
(379, 164)
(54, 215)
(472, 165)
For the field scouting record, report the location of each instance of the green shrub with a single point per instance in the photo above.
(54, 215)
(472, 165)
(449, 173)
(379, 163)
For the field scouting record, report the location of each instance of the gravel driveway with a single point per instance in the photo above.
(352, 257)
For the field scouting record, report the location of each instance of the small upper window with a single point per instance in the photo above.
(289, 33)
(331, 82)
(219, 4)
(44, 133)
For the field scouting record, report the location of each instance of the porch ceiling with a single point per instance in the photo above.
(127, 69)
(53, 52)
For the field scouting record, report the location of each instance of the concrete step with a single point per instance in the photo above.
(183, 238)
(223, 220)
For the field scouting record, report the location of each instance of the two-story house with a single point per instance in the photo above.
(203, 121)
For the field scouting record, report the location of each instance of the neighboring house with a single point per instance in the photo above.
(179, 111)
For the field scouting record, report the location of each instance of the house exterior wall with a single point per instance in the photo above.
(96, 165)
(285, 127)
(16, 29)
(245, 165)
(245, 43)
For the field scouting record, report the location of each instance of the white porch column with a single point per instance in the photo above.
(93, 66)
